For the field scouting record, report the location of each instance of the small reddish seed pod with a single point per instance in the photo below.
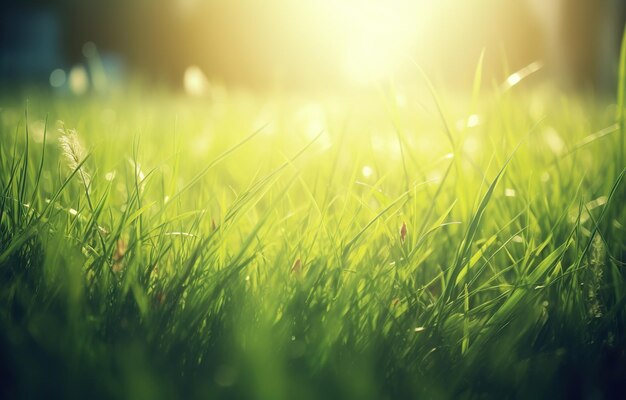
(296, 268)
(120, 251)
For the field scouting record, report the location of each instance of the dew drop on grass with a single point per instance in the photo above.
(518, 76)
(109, 176)
(554, 141)
(473, 120)
(434, 176)
(471, 145)
(600, 201)
(513, 79)
(367, 171)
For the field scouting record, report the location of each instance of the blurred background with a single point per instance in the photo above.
(301, 45)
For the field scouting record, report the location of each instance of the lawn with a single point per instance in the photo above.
(396, 244)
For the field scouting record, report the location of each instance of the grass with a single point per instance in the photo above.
(268, 247)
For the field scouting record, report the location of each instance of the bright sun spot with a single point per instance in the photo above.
(109, 176)
(377, 37)
(78, 80)
(518, 76)
(513, 79)
(195, 81)
(473, 120)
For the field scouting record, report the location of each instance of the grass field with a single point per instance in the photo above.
(394, 245)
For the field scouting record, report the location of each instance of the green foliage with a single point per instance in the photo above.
(264, 248)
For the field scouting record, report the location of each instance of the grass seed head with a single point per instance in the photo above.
(120, 251)
(296, 268)
(74, 153)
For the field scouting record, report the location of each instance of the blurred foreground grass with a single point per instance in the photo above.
(270, 247)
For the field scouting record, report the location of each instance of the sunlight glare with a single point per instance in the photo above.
(508, 192)
(473, 121)
(554, 141)
(377, 37)
(522, 74)
(195, 81)
(78, 80)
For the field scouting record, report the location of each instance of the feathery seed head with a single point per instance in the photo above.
(74, 153)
